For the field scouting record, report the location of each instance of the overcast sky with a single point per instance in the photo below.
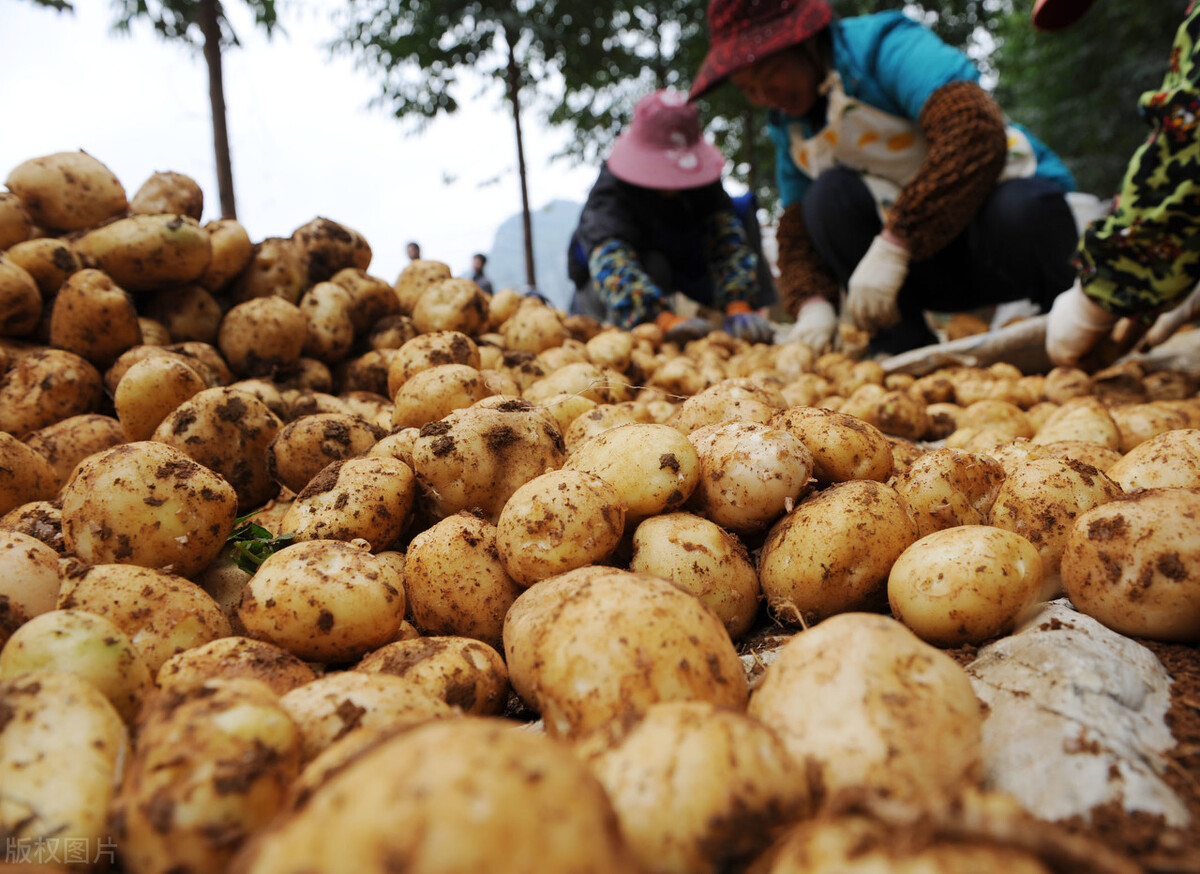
(303, 141)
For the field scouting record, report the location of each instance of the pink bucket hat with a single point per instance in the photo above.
(663, 146)
(1053, 15)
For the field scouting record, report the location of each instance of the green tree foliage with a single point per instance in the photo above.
(1078, 89)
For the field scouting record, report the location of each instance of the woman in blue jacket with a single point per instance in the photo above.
(901, 181)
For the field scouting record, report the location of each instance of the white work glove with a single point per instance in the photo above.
(1075, 325)
(816, 322)
(1172, 320)
(874, 285)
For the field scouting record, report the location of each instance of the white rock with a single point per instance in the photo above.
(1077, 718)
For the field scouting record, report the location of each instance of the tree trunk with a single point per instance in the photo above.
(514, 96)
(211, 28)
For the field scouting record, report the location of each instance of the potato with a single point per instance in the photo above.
(24, 474)
(654, 468)
(48, 260)
(207, 356)
(1083, 418)
(147, 504)
(324, 600)
(62, 748)
(965, 584)
(355, 498)
(328, 708)
(67, 191)
(565, 408)
(557, 522)
(208, 772)
(366, 372)
(843, 448)
(147, 252)
(262, 335)
(465, 673)
(1065, 383)
(87, 645)
(455, 582)
(232, 252)
(161, 613)
(470, 794)
(700, 557)
(330, 327)
(833, 552)
(451, 305)
(150, 390)
(41, 520)
(29, 580)
(730, 399)
(94, 318)
(479, 456)
(565, 662)
(893, 412)
(415, 278)
(698, 788)
(949, 487)
(750, 474)
(898, 718)
(303, 447)
(611, 348)
(596, 420)
(20, 300)
(1041, 499)
(46, 386)
(1167, 460)
(602, 385)
(168, 192)
(857, 844)
(1137, 423)
(432, 394)
(331, 247)
(430, 350)
(571, 351)
(16, 225)
(998, 415)
(534, 327)
(277, 267)
(1134, 564)
(1100, 457)
(227, 657)
(228, 431)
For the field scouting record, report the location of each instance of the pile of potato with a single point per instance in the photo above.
(516, 552)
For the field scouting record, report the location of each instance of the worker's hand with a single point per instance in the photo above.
(745, 324)
(1172, 320)
(816, 323)
(677, 329)
(1075, 325)
(875, 283)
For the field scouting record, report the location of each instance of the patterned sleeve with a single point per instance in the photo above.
(802, 273)
(732, 264)
(968, 145)
(1145, 254)
(630, 294)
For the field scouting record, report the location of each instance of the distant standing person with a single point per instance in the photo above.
(414, 251)
(478, 262)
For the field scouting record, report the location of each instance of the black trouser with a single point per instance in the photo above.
(1019, 245)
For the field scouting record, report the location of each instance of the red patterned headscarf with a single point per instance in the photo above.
(741, 32)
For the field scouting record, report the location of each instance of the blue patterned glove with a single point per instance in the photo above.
(745, 324)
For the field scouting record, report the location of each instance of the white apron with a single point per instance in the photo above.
(886, 149)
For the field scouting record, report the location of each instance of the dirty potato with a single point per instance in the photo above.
(843, 448)
(832, 554)
(67, 191)
(1134, 564)
(369, 498)
(965, 584)
(305, 446)
(434, 393)
(465, 673)
(46, 386)
(186, 672)
(455, 581)
(168, 192)
(324, 600)
(150, 390)
(24, 474)
(1167, 460)
(262, 335)
(147, 504)
(29, 580)
(949, 487)
(557, 522)
(161, 613)
(20, 300)
(701, 557)
(565, 662)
